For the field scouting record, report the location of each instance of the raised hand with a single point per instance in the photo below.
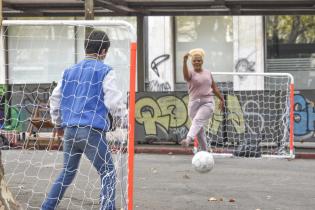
(186, 56)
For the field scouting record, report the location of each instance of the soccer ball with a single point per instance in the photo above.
(203, 162)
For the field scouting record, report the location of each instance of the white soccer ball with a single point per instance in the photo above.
(203, 162)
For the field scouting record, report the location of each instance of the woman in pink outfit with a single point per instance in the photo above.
(201, 88)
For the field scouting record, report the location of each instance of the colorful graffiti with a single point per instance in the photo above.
(2, 102)
(18, 102)
(166, 113)
(171, 112)
(304, 117)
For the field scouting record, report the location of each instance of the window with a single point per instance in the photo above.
(44, 52)
(291, 48)
(214, 34)
(37, 51)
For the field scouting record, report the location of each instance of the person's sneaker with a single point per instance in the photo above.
(195, 150)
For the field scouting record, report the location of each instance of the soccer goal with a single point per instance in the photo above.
(257, 120)
(34, 53)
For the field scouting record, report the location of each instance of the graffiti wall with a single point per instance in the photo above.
(304, 115)
(2, 104)
(161, 116)
(164, 116)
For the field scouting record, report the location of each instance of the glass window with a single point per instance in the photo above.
(291, 48)
(214, 34)
(35, 52)
(44, 52)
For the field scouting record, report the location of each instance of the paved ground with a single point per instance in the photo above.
(169, 182)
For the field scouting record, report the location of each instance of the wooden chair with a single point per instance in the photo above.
(40, 120)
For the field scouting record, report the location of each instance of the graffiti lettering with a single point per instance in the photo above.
(304, 118)
(173, 107)
(217, 118)
(149, 113)
(235, 114)
(169, 113)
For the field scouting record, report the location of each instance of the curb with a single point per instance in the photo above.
(176, 150)
(305, 156)
(188, 151)
(164, 150)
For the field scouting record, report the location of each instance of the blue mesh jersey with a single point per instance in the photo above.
(82, 102)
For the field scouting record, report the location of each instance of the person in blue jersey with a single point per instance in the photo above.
(79, 106)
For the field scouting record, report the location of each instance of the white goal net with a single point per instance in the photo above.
(257, 120)
(34, 56)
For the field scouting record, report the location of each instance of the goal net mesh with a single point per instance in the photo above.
(34, 57)
(256, 117)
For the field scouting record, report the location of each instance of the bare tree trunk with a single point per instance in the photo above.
(297, 29)
(7, 201)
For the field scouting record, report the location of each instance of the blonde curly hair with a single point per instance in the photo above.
(197, 51)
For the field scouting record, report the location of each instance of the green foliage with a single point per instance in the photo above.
(2, 90)
(291, 29)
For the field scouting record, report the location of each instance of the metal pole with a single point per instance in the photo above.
(141, 51)
(7, 87)
(89, 15)
(1, 13)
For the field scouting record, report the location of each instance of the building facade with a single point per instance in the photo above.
(284, 44)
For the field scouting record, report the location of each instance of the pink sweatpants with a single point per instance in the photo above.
(199, 111)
